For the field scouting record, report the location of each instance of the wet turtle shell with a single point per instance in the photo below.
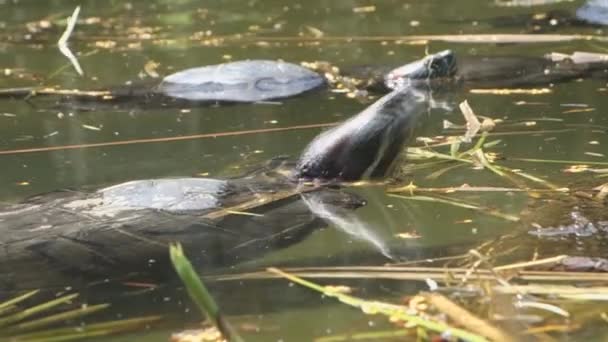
(241, 81)
(60, 237)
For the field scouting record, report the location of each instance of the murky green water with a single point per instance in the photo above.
(117, 39)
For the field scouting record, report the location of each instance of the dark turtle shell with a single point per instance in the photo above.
(241, 81)
(62, 237)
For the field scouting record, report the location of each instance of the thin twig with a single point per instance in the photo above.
(456, 38)
(414, 273)
(157, 140)
(525, 264)
(466, 319)
(63, 40)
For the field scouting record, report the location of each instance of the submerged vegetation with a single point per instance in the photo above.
(24, 322)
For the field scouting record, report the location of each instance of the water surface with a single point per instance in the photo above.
(116, 40)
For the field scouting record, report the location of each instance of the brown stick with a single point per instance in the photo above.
(460, 38)
(156, 140)
(466, 319)
(33, 91)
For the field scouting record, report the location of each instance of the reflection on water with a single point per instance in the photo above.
(349, 224)
(118, 42)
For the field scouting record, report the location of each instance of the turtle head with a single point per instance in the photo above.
(366, 146)
(435, 66)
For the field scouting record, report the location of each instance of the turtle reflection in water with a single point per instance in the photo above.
(61, 236)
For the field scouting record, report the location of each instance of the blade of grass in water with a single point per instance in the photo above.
(481, 209)
(63, 316)
(389, 310)
(418, 274)
(199, 293)
(36, 309)
(9, 324)
(530, 177)
(558, 161)
(7, 305)
(87, 331)
(438, 173)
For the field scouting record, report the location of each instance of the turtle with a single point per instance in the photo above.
(70, 235)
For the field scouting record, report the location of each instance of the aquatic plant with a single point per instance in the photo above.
(199, 294)
(39, 322)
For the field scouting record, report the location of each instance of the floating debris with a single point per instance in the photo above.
(91, 128)
(579, 110)
(313, 31)
(210, 334)
(364, 9)
(526, 103)
(63, 41)
(409, 235)
(595, 154)
(150, 69)
(506, 91)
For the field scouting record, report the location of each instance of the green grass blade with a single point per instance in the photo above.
(4, 306)
(81, 332)
(48, 320)
(559, 161)
(199, 293)
(389, 310)
(36, 309)
(475, 207)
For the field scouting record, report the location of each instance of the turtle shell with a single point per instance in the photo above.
(62, 237)
(241, 81)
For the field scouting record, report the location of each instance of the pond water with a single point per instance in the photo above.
(118, 42)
